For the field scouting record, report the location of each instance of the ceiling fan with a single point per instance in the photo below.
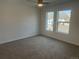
(39, 3)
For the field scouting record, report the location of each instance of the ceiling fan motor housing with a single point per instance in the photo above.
(40, 1)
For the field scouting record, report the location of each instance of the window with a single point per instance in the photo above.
(49, 22)
(64, 21)
(58, 21)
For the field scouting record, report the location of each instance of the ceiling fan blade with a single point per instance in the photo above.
(32, 1)
(45, 2)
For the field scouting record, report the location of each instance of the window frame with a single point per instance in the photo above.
(63, 21)
(47, 22)
(56, 22)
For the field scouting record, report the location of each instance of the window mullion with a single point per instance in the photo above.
(55, 22)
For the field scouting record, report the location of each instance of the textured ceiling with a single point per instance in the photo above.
(46, 0)
(53, 2)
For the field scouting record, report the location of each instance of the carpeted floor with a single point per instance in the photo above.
(38, 47)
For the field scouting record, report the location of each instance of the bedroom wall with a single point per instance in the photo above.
(18, 19)
(73, 36)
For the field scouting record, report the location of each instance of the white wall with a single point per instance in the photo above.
(73, 36)
(18, 19)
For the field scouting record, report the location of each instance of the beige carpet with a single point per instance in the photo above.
(38, 47)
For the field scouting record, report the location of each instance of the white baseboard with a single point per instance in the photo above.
(18, 38)
(64, 40)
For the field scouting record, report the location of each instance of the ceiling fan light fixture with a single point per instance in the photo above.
(40, 3)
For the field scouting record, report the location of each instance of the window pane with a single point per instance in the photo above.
(64, 21)
(63, 27)
(50, 19)
(64, 16)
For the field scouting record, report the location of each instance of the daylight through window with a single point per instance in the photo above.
(50, 19)
(63, 21)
